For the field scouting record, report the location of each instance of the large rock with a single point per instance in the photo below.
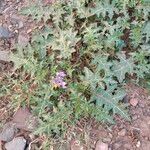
(8, 132)
(18, 143)
(23, 119)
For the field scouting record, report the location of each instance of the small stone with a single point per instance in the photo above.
(8, 132)
(146, 138)
(126, 99)
(141, 105)
(138, 144)
(23, 39)
(18, 143)
(107, 139)
(17, 20)
(75, 145)
(110, 135)
(122, 132)
(133, 102)
(101, 146)
(128, 146)
(148, 122)
(20, 25)
(116, 145)
(134, 117)
(4, 56)
(5, 33)
(29, 31)
(16, 31)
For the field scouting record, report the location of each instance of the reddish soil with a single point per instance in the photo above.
(124, 135)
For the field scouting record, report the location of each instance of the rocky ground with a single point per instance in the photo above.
(88, 135)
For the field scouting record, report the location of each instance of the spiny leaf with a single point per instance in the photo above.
(64, 41)
(122, 66)
(110, 100)
(146, 31)
(102, 8)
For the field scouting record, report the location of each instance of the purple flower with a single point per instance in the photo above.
(58, 81)
(60, 74)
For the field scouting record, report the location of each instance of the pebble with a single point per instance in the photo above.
(138, 144)
(4, 55)
(141, 105)
(133, 102)
(128, 146)
(5, 33)
(116, 145)
(101, 146)
(108, 140)
(23, 39)
(17, 20)
(122, 132)
(110, 135)
(18, 143)
(134, 117)
(75, 145)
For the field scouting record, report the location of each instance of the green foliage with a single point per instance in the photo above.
(123, 66)
(103, 7)
(109, 99)
(99, 44)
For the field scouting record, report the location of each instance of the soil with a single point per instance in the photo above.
(124, 135)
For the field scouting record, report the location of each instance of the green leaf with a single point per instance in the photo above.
(136, 35)
(103, 65)
(146, 31)
(90, 78)
(110, 100)
(65, 41)
(102, 8)
(123, 66)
